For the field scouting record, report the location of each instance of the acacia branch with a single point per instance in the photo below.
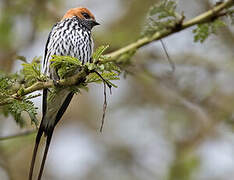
(79, 77)
(208, 16)
(202, 18)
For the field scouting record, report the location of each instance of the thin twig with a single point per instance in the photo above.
(105, 81)
(168, 57)
(104, 107)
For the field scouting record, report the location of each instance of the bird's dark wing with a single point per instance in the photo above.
(46, 47)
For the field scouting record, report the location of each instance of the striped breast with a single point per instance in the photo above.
(68, 38)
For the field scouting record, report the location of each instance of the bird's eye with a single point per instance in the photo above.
(86, 15)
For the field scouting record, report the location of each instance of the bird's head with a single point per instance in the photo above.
(84, 15)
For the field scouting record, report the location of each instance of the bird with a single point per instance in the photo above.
(71, 36)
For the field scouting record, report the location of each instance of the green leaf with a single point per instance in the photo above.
(216, 25)
(203, 31)
(93, 77)
(97, 55)
(32, 71)
(65, 65)
(110, 67)
(8, 84)
(17, 107)
(161, 16)
(65, 59)
(164, 9)
(22, 58)
(91, 66)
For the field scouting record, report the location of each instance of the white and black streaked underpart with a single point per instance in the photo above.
(68, 38)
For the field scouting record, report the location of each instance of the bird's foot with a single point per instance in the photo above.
(56, 83)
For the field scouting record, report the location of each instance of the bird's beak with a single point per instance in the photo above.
(95, 23)
(91, 23)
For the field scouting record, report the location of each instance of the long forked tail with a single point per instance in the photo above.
(38, 138)
(48, 130)
(48, 140)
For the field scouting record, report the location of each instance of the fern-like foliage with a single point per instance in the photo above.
(163, 16)
(17, 107)
(66, 66)
(108, 76)
(32, 72)
(98, 54)
(160, 16)
(202, 32)
(10, 84)
(6, 84)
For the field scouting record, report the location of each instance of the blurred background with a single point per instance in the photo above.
(158, 125)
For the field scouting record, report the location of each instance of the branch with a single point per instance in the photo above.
(210, 15)
(79, 77)
(203, 18)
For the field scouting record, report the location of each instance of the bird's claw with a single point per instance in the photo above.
(56, 83)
